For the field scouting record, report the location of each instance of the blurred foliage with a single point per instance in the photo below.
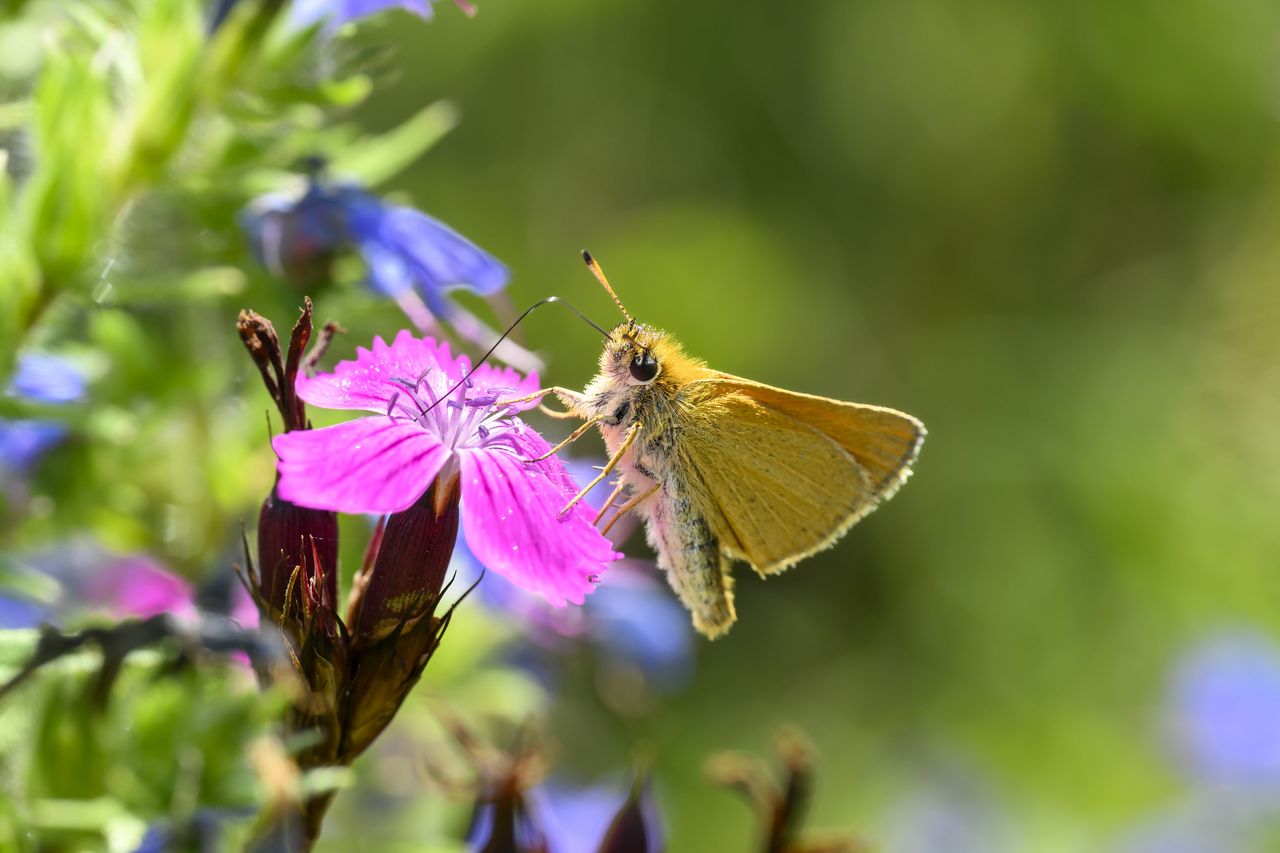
(165, 747)
(1048, 231)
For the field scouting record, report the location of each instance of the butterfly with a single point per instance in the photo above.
(723, 468)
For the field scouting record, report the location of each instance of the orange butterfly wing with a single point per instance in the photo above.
(785, 474)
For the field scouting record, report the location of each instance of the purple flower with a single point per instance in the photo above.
(601, 817)
(1204, 824)
(631, 619)
(1224, 711)
(566, 819)
(422, 432)
(21, 613)
(24, 442)
(951, 809)
(136, 585)
(405, 251)
(634, 621)
(39, 378)
(92, 580)
(335, 13)
(408, 250)
(45, 378)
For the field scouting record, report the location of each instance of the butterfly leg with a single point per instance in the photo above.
(626, 508)
(573, 436)
(571, 397)
(609, 503)
(560, 416)
(627, 441)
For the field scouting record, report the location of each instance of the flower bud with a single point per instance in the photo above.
(409, 569)
(394, 629)
(297, 547)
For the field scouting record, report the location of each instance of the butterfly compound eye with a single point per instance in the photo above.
(644, 368)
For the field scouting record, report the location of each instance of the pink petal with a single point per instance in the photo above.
(368, 382)
(369, 465)
(138, 586)
(510, 512)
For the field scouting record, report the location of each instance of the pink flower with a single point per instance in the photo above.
(510, 507)
(139, 586)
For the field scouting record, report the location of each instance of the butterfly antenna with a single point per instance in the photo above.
(594, 266)
(535, 306)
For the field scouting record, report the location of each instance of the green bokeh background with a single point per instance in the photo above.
(1049, 231)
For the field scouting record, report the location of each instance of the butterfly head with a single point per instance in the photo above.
(637, 355)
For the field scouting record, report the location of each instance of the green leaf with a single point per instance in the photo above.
(31, 585)
(348, 92)
(170, 50)
(67, 202)
(102, 816)
(16, 646)
(375, 159)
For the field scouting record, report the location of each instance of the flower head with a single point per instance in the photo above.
(136, 585)
(335, 13)
(24, 442)
(568, 819)
(436, 418)
(39, 378)
(405, 251)
(44, 378)
(1224, 709)
(88, 579)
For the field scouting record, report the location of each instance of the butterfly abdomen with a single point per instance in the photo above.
(691, 556)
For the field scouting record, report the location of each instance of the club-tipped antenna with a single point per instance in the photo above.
(535, 306)
(594, 266)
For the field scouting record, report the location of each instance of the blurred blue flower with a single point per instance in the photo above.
(203, 831)
(43, 378)
(950, 809)
(38, 378)
(1201, 825)
(405, 251)
(23, 442)
(84, 578)
(631, 619)
(568, 819)
(505, 825)
(335, 13)
(601, 817)
(1224, 711)
(22, 613)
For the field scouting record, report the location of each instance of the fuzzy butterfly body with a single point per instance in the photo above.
(722, 468)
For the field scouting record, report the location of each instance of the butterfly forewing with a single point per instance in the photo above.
(786, 474)
(885, 441)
